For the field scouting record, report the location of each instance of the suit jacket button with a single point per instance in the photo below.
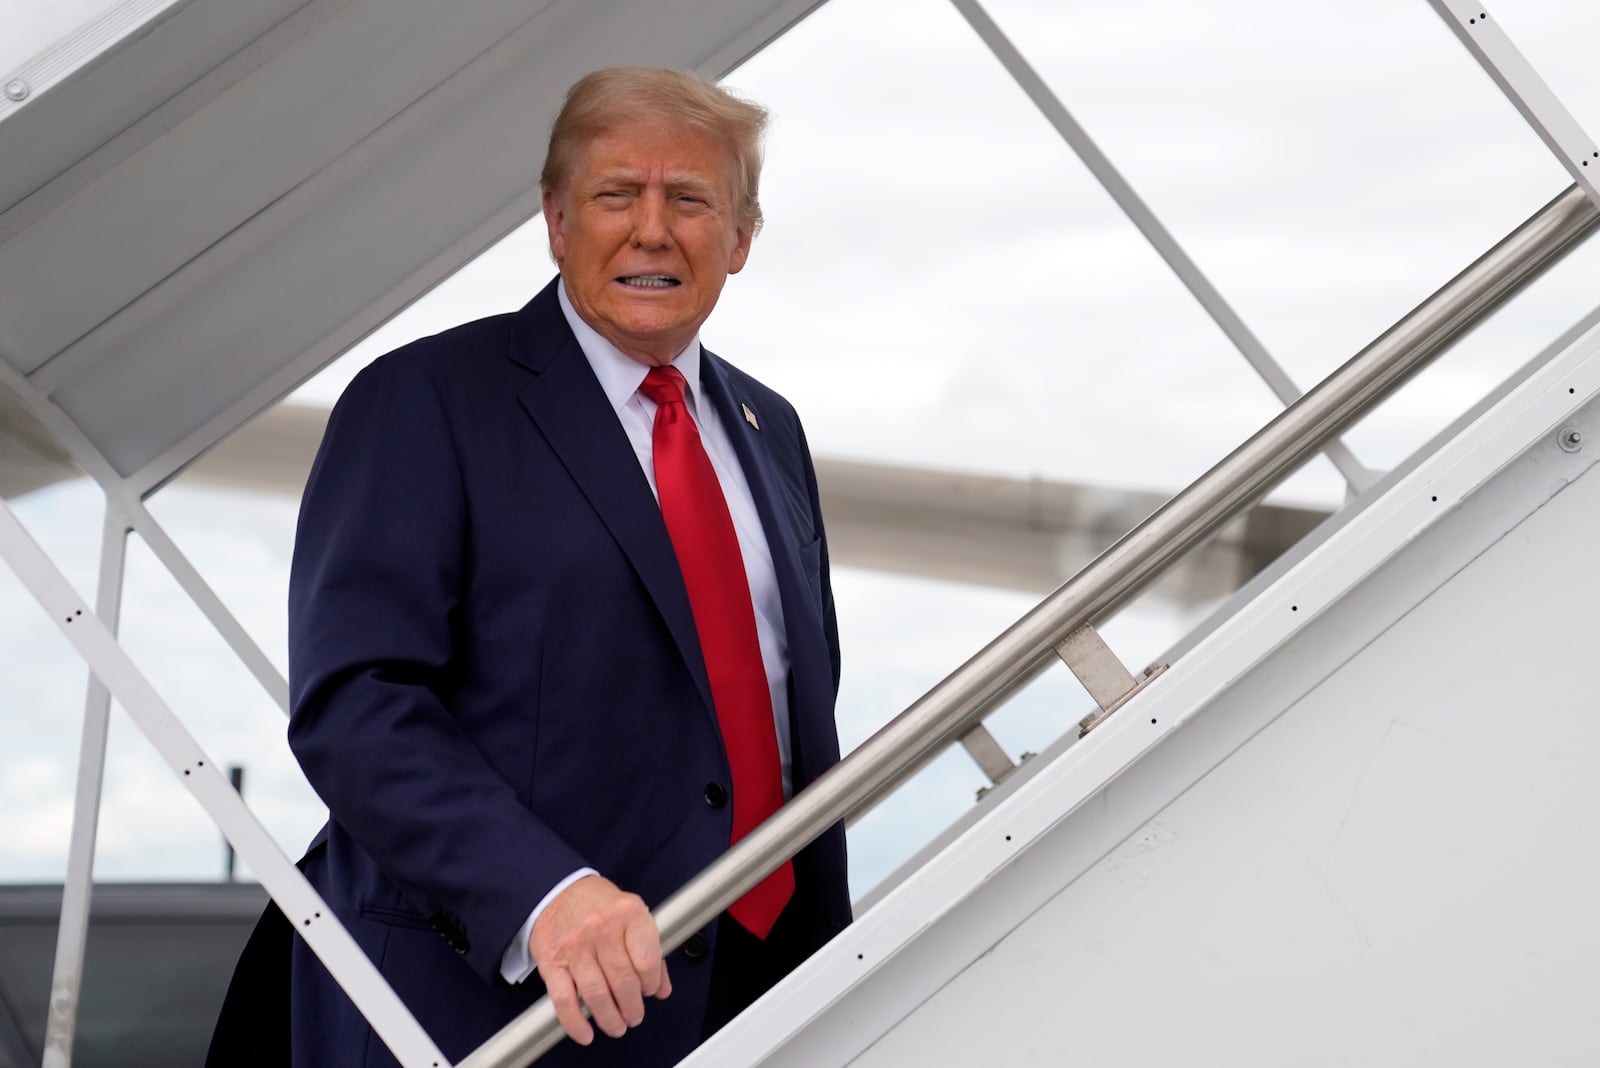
(695, 947)
(716, 794)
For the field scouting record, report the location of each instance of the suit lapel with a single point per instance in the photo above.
(572, 412)
(808, 656)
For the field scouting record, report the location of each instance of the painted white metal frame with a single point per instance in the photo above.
(1356, 475)
(311, 917)
(123, 496)
(1523, 86)
(125, 512)
(72, 935)
(60, 61)
(509, 52)
(1483, 38)
(1416, 502)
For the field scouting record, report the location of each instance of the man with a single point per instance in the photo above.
(561, 627)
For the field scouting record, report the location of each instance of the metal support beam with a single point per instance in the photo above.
(72, 936)
(205, 598)
(1521, 84)
(124, 497)
(1357, 475)
(312, 919)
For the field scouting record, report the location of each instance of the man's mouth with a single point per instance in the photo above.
(649, 281)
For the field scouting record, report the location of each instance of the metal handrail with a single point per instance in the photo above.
(960, 702)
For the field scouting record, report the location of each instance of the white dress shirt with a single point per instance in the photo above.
(620, 377)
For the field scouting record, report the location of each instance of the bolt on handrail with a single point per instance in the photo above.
(962, 700)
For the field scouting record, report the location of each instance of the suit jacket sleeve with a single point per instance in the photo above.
(375, 597)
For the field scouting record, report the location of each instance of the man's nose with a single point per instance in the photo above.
(650, 229)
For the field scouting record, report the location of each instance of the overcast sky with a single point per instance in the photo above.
(941, 284)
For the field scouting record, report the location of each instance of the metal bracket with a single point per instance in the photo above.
(1102, 674)
(988, 755)
(990, 758)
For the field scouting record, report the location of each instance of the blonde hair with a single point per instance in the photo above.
(607, 98)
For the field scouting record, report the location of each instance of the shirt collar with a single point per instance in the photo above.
(620, 375)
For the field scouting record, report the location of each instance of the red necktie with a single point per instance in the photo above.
(703, 537)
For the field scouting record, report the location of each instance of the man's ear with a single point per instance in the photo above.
(554, 218)
(741, 252)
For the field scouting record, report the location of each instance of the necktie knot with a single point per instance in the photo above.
(664, 385)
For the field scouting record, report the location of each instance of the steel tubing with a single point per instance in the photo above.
(959, 702)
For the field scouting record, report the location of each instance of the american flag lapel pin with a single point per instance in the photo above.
(749, 416)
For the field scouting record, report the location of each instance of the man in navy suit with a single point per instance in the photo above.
(507, 685)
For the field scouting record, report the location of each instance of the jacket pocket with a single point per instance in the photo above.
(393, 917)
(811, 557)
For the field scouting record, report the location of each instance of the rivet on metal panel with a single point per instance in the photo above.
(18, 90)
(1570, 438)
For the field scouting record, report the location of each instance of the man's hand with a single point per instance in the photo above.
(595, 945)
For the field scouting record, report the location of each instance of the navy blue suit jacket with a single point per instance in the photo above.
(496, 679)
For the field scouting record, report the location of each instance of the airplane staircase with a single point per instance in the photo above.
(1346, 826)
(1318, 806)
(1345, 821)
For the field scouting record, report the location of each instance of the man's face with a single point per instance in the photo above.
(644, 232)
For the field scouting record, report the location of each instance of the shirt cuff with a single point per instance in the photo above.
(516, 963)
